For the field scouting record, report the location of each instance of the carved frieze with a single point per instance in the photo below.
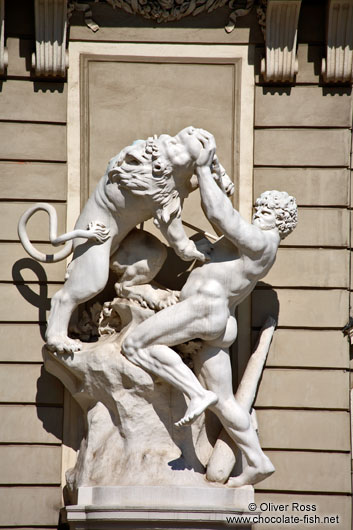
(281, 64)
(338, 64)
(50, 57)
(239, 9)
(167, 10)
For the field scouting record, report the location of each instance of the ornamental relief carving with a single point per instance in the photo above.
(172, 10)
(162, 11)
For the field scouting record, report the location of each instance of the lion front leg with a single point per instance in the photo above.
(184, 247)
(136, 262)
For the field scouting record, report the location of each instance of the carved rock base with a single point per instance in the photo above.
(130, 435)
(158, 507)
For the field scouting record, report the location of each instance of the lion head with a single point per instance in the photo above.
(159, 167)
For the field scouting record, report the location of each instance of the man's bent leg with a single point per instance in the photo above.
(147, 346)
(213, 365)
(166, 363)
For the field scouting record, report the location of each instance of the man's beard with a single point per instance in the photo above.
(257, 222)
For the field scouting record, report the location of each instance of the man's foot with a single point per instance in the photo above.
(196, 408)
(253, 474)
(63, 344)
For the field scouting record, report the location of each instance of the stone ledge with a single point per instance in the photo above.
(152, 507)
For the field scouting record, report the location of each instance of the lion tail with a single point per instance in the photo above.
(53, 228)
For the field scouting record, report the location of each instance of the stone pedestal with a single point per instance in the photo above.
(158, 507)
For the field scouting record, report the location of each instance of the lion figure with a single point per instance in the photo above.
(148, 179)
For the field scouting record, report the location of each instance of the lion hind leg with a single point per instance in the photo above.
(88, 275)
(138, 259)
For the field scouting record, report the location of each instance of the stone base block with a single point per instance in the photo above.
(159, 507)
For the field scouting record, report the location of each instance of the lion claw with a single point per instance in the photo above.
(100, 233)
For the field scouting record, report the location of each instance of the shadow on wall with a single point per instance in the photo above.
(42, 86)
(50, 391)
(265, 303)
(49, 399)
(329, 91)
(39, 300)
(49, 395)
(50, 410)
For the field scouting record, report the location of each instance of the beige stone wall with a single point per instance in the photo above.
(302, 138)
(303, 145)
(303, 142)
(33, 168)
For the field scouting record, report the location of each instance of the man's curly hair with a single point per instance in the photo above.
(285, 209)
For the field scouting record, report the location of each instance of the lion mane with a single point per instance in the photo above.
(153, 177)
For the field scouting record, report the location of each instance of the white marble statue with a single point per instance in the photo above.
(175, 346)
(146, 179)
(206, 311)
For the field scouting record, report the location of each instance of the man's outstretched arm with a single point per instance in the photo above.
(220, 212)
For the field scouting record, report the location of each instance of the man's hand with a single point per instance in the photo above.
(221, 177)
(207, 155)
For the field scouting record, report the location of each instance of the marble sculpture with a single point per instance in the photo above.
(161, 358)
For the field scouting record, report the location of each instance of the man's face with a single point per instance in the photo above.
(264, 217)
(183, 149)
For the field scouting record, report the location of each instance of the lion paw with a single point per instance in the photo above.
(191, 252)
(148, 296)
(100, 233)
(167, 298)
(63, 344)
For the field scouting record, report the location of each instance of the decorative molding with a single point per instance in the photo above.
(3, 50)
(172, 10)
(338, 64)
(167, 10)
(87, 14)
(261, 15)
(240, 8)
(281, 64)
(50, 57)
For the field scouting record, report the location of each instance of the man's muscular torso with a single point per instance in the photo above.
(229, 272)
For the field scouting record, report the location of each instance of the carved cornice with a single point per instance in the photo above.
(281, 64)
(3, 50)
(50, 57)
(338, 64)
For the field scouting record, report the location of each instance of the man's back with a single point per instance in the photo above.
(232, 273)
